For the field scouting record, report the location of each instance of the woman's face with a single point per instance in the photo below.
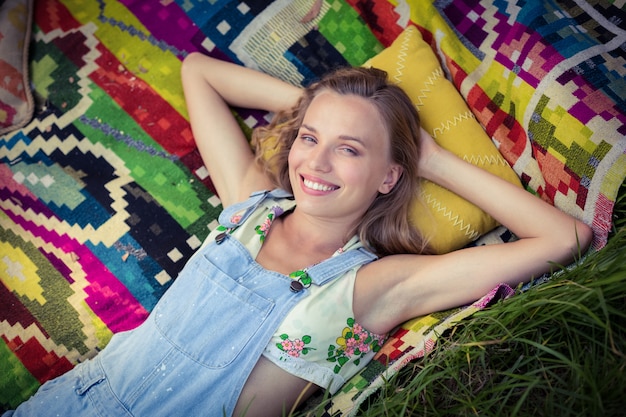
(340, 159)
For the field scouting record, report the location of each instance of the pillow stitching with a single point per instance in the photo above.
(485, 159)
(430, 81)
(402, 54)
(454, 219)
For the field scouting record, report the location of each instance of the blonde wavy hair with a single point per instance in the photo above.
(385, 228)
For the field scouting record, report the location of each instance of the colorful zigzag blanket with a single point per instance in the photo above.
(103, 195)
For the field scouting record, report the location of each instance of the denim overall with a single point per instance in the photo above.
(195, 351)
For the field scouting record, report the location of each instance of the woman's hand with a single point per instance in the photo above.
(211, 86)
(430, 155)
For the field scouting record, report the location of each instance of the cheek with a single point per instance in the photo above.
(292, 160)
(291, 165)
(358, 175)
(353, 175)
(298, 156)
(374, 174)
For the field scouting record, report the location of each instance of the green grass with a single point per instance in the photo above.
(619, 211)
(557, 349)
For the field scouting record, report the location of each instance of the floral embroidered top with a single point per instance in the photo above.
(319, 340)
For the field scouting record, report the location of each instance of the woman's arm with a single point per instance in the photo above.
(210, 87)
(424, 284)
(527, 216)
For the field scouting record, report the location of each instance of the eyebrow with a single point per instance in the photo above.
(344, 137)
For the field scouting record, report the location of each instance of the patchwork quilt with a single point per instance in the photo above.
(103, 195)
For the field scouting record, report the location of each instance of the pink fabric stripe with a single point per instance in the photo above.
(109, 299)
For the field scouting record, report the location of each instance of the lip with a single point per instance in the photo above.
(316, 186)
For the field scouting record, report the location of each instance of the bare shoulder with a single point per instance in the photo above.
(397, 288)
(379, 292)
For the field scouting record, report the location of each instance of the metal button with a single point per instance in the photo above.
(296, 286)
(220, 238)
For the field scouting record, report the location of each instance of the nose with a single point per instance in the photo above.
(319, 159)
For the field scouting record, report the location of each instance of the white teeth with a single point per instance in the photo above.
(317, 186)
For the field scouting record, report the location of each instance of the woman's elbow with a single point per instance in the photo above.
(580, 239)
(189, 62)
(586, 234)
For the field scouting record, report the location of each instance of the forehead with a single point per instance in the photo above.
(347, 114)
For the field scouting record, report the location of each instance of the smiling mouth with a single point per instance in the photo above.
(317, 186)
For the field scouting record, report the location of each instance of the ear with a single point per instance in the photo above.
(391, 179)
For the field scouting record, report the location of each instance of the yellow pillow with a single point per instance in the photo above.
(453, 222)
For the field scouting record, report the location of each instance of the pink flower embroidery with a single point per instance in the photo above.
(263, 228)
(287, 345)
(294, 347)
(353, 344)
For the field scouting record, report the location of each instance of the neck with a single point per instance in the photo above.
(317, 235)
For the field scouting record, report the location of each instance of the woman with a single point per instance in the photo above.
(340, 163)
(252, 324)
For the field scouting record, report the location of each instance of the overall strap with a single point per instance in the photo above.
(247, 207)
(336, 266)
